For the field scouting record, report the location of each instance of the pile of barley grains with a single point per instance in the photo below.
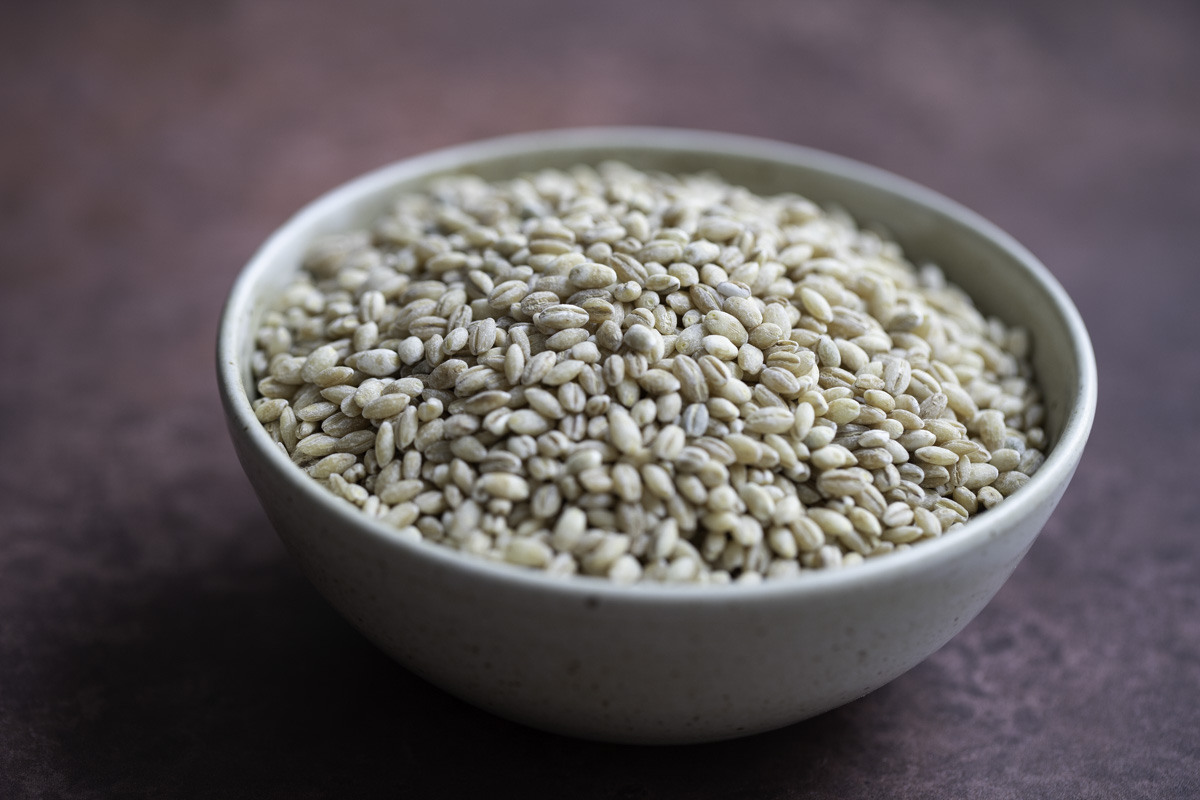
(645, 377)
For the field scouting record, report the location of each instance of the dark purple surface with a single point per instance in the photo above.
(156, 642)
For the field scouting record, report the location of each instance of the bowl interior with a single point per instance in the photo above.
(999, 274)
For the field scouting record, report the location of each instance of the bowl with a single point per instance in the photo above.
(651, 663)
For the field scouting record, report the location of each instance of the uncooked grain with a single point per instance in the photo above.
(644, 377)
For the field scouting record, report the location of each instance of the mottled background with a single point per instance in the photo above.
(156, 642)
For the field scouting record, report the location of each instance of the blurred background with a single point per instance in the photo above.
(154, 639)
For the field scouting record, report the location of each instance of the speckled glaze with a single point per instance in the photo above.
(656, 664)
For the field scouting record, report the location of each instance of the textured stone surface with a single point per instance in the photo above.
(154, 639)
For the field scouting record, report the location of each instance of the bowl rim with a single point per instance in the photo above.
(1057, 469)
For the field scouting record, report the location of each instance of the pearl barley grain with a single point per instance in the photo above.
(644, 377)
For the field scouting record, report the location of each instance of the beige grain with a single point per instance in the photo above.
(655, 379)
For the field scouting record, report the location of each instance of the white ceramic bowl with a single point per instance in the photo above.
(659, 664)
